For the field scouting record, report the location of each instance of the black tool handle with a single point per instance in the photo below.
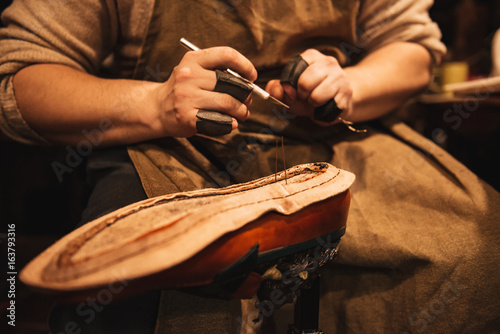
(291, 73)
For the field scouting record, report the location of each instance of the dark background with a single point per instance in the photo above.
(44, 209)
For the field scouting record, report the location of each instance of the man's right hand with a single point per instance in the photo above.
(61, 103)
(191, 88)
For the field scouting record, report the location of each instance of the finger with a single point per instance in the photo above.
(208, 80)
(182, 124)
(275, 88)
(193, 97)
(222, 102)
(290, 94)
(343, 100)
(282, 91)
(322, 93)
(225, 57)
(336, 83)
(320, 68)
(190, 124)
(232, 85)
(234, 124)
(194, 77)
(213, 123)
(248, 101)
(312, 76)
(312, 56)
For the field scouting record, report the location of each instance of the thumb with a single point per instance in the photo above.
(290, 94)
(283, 92)
(274, 88)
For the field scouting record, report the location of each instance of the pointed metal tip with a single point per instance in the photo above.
(278, 102)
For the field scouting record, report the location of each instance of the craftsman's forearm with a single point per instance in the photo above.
(386, 78)
(64, 105)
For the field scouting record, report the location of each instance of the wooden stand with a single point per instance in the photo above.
(306, 311)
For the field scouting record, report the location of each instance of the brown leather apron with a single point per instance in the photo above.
(266, 32)
(413, 205)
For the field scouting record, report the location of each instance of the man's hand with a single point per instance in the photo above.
(382, 81)
(61, 103)
(321, 81)
(191, 88)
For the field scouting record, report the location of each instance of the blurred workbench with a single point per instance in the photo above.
(465, 122)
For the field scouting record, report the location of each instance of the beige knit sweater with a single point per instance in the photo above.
(90, 34)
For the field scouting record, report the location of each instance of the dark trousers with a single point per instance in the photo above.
(115, 184)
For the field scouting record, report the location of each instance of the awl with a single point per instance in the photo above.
(255, 89)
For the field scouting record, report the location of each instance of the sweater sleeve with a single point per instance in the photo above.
(381, 22)
(75, 33)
